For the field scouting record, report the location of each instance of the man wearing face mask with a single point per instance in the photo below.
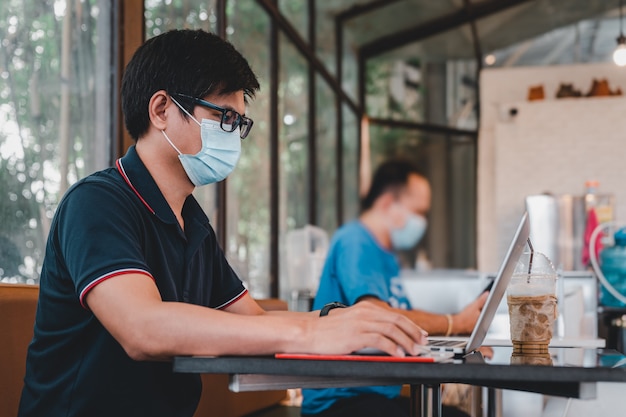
(361, 265)
(133, 274)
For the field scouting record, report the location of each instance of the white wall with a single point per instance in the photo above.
(554, 145)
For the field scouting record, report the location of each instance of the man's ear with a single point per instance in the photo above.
(385, 200)
(157, 109)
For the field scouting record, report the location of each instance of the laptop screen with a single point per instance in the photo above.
(500, 283)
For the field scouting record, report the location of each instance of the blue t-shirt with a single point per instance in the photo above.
(356, 266)
(114, 222)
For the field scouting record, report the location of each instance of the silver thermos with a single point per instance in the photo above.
(557, 227)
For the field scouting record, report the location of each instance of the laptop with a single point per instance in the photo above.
(462, 346)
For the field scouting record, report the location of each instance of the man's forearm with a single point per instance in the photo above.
(434, 324)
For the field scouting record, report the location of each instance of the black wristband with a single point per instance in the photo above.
(326, 309)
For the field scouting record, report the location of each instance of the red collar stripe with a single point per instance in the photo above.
(120, 168)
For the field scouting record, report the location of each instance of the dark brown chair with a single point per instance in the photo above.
(18, 304)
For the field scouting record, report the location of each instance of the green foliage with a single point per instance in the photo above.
(379, 99)
(32, 177)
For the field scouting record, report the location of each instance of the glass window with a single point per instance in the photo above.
(446, 161)
(325, 36)
(326, 164)
(55, 117)
(461, 102)
(463, 191)
(163, 15)
(293, 113)
(293, 143)
(419, 82)
(395, 89)
(248, 195)
(350, 68)
(537, 34)
(296, 12)
(350, 163)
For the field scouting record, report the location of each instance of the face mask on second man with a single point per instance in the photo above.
(408, 235)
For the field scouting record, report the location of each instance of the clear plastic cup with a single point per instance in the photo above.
(532, 301)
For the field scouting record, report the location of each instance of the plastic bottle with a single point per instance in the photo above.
(601, 203)
(613, 265)
(591, 189)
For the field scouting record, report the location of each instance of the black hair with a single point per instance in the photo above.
(191, 62)
(391, 175)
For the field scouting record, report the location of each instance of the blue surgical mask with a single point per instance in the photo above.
(408, 235)
(218, 156)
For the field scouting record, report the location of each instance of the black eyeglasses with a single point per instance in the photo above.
(230, 120)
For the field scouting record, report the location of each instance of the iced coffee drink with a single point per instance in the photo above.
(531, 297)
(541, 358)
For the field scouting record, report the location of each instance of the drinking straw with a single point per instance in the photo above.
(530, 261)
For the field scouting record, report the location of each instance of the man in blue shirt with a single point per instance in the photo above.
(361, 265)
(133, 274)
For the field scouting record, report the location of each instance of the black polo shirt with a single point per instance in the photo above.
(114, 222)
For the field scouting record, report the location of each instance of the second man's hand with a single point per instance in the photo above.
(465, 321)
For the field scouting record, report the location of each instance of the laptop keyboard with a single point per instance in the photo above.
(443, 343)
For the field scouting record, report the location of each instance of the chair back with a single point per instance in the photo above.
(18, 304)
